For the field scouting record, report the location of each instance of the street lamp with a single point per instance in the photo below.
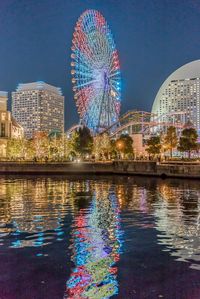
(120, 146)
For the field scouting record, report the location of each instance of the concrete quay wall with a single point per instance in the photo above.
(149, 168)
(58, 168)
(179, 170)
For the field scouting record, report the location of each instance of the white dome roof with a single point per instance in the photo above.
(178, 99)
(187, 71)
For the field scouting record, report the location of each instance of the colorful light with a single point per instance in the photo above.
(95, 72)
(96, 245)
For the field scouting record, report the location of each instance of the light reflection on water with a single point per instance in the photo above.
(177, 214)
(31, 211)
(96, 243)
(98, 218)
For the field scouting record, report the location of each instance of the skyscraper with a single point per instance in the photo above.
(178, 99)
(38, 107)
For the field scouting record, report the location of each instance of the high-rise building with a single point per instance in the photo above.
(38, 107)
(178, 99)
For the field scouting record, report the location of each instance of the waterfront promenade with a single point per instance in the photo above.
(123, 167)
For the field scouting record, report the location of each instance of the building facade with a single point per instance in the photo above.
(178, 99)
(3, 100)
(38, 107)
(9, 128)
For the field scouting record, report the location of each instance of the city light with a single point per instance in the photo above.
(99, 163)
(95, 72)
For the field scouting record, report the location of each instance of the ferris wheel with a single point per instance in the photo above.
(96, 76)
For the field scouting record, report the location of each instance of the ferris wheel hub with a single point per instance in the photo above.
(95, 72)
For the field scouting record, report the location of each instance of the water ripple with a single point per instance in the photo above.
(102, 232)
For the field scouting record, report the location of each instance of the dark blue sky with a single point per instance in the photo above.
(153, 37)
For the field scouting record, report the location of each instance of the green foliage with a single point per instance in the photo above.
(82, 142)
(55, 147)
(41, 146)
(30, 151)
(57, 143)
(154, 145)
(16, 149)
(102, 146)
(188, 141)
(13, 149)
(113, 149)
(68, 148)
(124, 146)
(170, 140)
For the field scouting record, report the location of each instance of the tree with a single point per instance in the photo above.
(188, 141)
(30, 150)
(56, 145)
(102, 146)
(72, 148)
(13, 149)
(41, 145)
(170, 140)
(124, 145)
(113, 150)
(68, 146)
(82, 141)
(16, 148)
(154, 145)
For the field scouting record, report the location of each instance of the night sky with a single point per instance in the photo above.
(153, 37)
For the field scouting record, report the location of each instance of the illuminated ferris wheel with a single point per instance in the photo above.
(95, 72)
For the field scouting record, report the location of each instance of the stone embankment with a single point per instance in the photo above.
(150, 168)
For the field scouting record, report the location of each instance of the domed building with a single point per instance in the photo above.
(178, 99)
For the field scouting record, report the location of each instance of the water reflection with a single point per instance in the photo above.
(96, 230)
(178, 221)
(28, 208)
(96, 243)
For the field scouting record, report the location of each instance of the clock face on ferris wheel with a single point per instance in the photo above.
(95, 72)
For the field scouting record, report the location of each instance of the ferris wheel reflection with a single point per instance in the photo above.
(96, 245)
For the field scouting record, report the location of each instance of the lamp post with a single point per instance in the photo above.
(120, 146)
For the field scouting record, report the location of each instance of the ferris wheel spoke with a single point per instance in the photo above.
(84, 59)
(95, 72)
(85, 84)
(80, 72)
(116, 73)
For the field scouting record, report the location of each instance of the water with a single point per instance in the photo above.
(99, 237)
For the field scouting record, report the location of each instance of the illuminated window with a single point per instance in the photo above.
(3, 130)
(3, 116)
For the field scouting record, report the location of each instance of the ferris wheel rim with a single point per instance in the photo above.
(96, 79)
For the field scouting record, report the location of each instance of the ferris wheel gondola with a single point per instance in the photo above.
(96, 76)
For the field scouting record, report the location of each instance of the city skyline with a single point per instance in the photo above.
(149, 48)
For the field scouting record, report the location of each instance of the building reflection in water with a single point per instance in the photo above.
(177, 215)
(96, 245)
(36, 212)
(31, 211)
